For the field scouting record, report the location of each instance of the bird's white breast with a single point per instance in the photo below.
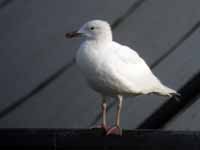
(89, 60)
(95, 62)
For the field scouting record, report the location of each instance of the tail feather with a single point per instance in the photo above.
(165, 91)
(176, 96)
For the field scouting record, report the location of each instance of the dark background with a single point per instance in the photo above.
(165, 33)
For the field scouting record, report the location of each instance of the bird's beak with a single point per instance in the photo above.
(72, 34)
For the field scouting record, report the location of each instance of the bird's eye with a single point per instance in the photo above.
(91, 28)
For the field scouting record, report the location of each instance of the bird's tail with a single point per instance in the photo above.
(165, 91)
(176, 96)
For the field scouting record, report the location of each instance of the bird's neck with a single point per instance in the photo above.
(96, 43)
(103, 37)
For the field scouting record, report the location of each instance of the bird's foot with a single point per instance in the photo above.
(102, 126)
(116, 130)
(105, 127)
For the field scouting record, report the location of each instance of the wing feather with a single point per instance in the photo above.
(133, 71)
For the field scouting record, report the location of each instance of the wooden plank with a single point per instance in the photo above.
(94, 139)
(60, 106)
(32, 39)
(187, 119)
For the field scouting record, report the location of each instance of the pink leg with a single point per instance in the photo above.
(116, 130)
(103, 108)
(103, 125)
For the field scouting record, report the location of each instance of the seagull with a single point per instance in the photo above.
(113, 70)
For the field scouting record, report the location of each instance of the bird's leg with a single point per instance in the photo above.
(119, 107)
(103, 124)
(116, 129)
(103, 112)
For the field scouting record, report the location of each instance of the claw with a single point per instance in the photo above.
(114, 131)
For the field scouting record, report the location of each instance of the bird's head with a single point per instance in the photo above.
(95, 29)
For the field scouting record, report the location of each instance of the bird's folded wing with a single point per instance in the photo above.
(132, 70)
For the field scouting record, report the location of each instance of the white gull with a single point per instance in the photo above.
(112, 69)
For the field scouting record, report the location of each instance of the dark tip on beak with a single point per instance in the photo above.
(72, 34)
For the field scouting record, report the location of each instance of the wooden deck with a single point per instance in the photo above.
(38, 90)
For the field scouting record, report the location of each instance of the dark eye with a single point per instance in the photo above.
(91, 28)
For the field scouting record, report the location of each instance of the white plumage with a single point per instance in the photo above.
(113, 69)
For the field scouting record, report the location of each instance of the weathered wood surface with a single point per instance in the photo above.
(188, 119)
(33, 47)
(95, 139)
